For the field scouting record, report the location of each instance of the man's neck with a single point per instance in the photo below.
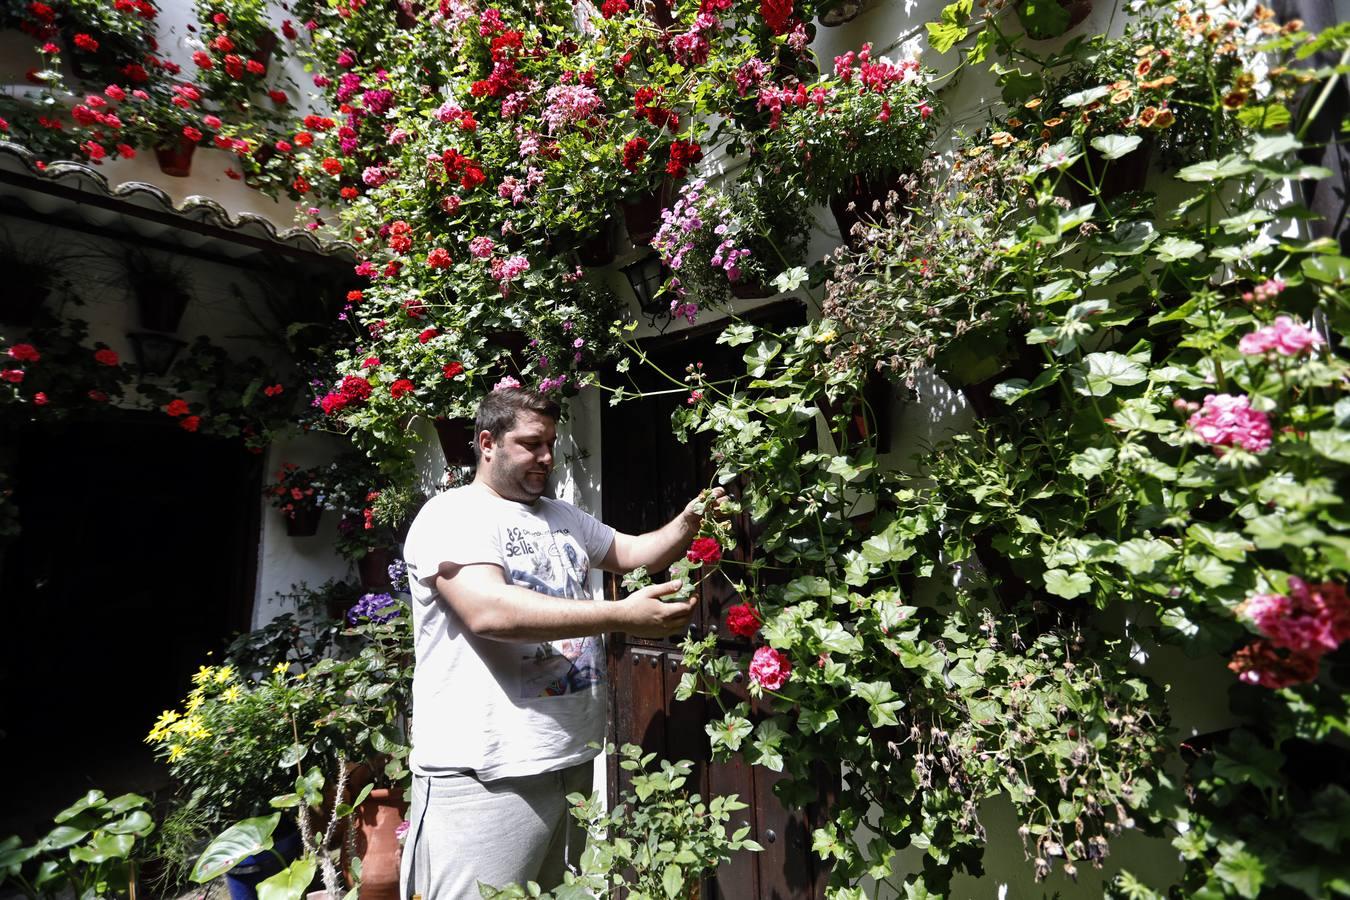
(480, 479)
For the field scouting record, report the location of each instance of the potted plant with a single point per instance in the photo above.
(722, 240)
(34, 272)
(161, 289)
(101, 39)
(849, 137)
(300, 495)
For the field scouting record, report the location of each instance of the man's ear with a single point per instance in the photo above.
(485, 443)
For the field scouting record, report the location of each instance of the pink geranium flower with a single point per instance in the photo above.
(770, 669)
(1225, 420)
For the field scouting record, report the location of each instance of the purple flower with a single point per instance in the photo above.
(398, 572)
(373, 607)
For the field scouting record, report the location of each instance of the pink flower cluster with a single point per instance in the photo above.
(749, 74)
(1286, 337)
(1265, 292)
(481, 247)
(565, 104)
(504, 271)
(1313, 619)
(1225, 420)
(770, 669)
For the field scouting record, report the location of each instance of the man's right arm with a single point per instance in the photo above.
(493, 609)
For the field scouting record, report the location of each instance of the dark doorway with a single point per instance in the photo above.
(647, 477)
(137, 557)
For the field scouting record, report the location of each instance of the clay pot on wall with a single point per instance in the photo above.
(376, 843)
(175, 156)
(456, 437)
(1043, 23)
(374, 570)
(1113, 177)
(642, 213)
(862, 194)
(303, 521)
(267, 43)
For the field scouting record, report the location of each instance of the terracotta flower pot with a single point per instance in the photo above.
(377, 820)
(303, 521)
(405, 13)
(841, 12)
(598, 249)
(750, 290)
(456, 437)
(175, 157)
(642, 213)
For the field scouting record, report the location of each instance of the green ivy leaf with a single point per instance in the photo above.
(760, 354)
(1264, 116)
(1209, 571)
(952, 26)
(1067, 584)
(1139, 556)
(1092, 462)
(1242, 871)
(1226, 545)
(881, 700)
(1333, 443)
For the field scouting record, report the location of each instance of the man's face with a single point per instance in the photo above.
(518, 466)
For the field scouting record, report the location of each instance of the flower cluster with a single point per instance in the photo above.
(353, 390)
(295, 490)
(1285, 337)
(705, 551)
(1225, 420)
(1308, 622)
(374, 608)
(743, 620)
(770, 669)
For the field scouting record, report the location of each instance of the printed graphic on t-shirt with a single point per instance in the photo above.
(550, 562)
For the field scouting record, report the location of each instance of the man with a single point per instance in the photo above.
(509, 688)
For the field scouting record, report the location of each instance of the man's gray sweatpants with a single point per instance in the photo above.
(513, 830)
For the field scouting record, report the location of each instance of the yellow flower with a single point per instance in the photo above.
(826, 336)
(176, 751)
(281, 668)
(1033, 103)
(231, 693)
(224, 674)
(194, 703)
(204, 674)
(160, 730)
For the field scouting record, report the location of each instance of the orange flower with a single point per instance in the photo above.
(1120, 97)
(1001, 139)
(1235, 99)
(1033, 103)
(1165, 118)
(1147, 115)
(1292, 26)
(1054, 123)
(1143, 68)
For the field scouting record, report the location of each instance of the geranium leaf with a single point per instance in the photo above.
(1114, 146)
(1067, 584)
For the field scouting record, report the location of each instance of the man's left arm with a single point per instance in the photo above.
(658, 549)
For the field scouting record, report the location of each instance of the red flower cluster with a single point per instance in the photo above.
(24, 353)
(401, 388)
(439, 258)
(176, 408)
(683, 154)
(86, 43)
(452, 369)
(353, 390)
(611, 8)
(427, 335)
(190, 423)
(777, 15)
(273, 390)
(633, 153)
(459, 166)
(743, 620)
(1312, 620)
(400, 237)
(647, 105)
(705, 551)
(106, 357)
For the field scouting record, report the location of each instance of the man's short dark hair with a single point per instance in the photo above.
(498, 410)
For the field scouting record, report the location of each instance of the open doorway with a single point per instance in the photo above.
(137, 557)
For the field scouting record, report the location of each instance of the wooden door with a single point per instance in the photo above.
(647, 477)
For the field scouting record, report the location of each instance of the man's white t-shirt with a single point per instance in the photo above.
(503, 710)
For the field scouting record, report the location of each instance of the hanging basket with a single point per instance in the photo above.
(598, 249)
(861, 195)
(262, 52)
(161, 308)
(642, 213)
(175, 157)
(750, 290)
(303, 521)
(456, 437)
(841, 12)
(1114, 178)
(374, 569)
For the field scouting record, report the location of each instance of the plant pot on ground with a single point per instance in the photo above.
(376, 843)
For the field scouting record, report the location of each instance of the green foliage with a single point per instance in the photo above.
(91, 853)
(657, 844)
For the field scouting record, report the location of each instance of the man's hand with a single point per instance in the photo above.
(707, 502)
(643, 614)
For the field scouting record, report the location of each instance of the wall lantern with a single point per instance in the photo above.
(155, 352)
(645, 275)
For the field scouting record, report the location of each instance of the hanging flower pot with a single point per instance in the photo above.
(88, 64)
(855, 203)
(303, 521)
(1113, 178)
(263, 48)
(642, 213)
(1044, 20)
(598, 249)
(161, 309)
(842, 11)
(175, 156)
(374, 569)
(660, 13)
(456, 437)
(750, 290)
(376, 843)
(405, 13)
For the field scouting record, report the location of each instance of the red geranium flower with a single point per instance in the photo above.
(439, 258)
(98, 396)
(452, 369)
(40, 399)
(427, 335)
(86, 43)
(106, 357)
(279, 97)
(13, 376)
(633, 151)
(401, 388)
(24, 353)
(191, 423)
(705, 550)
(743, 620)
(192, 134)
(355, 296)
(203, 60)
(177, 408)
(273, 390)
